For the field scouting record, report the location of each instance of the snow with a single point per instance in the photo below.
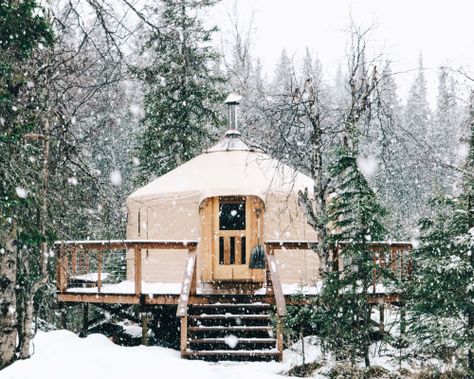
(61, 354)
(231, 341)
(128, 287)
(162, 288)
(116, 178)
(91, 277)
(21, 192)
(367, 165)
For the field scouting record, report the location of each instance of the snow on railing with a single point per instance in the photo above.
(81, 263)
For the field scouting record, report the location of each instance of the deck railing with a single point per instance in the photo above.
(394, 257)
(76, 259)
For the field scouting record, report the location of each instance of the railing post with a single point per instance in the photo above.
(279, 335)
(62, 269)
(138, 271)
(184, 335)
(99, 271)
(192, 290)
(74, 260)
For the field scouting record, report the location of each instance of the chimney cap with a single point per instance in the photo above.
(233, 98)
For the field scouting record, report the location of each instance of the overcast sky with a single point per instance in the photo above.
(442, 30)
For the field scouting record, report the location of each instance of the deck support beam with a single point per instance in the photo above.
(145, 328)
(184, 335)
(382, 317)
(85, 320)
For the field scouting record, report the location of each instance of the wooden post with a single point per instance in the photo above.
(268, 279)
(62, 268)
(184, 335)
(145, 328)
(138, 271)
(74, 260)
(85, 320)
(192, 290)
(99, 270)
(86, 265)
(382, 317)
(374, 272)
(279, 336)
(63, 317)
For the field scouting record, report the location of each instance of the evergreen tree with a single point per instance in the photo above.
(417, 129)
(23, 29)
(181, 92)
(442, 290)
(356, 219)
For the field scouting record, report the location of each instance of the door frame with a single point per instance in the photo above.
(211, 269)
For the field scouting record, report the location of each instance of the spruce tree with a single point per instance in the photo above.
(181, 94)
(23, 29)
(355, 216)
(441, 301)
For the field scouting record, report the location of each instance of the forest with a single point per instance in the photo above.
(99, 97)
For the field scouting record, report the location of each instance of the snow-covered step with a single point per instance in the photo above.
(246, 353)
(229, 315)
(233, 305)
(218, 328)
(238, 340)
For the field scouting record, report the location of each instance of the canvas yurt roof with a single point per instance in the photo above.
(229, 168)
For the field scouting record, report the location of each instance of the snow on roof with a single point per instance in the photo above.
(228, 168)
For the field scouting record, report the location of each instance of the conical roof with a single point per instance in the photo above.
(229, 168)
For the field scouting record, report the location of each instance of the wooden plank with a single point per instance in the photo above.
(184, 335)
(145, 329)
(238, 249)
(138, 270)
(276, 284)
(193, 288)
(98, 298)
(74, 260)
(130, 244)
(206, 241)
(279, 335)
(99, 272)
(189, 273)
(63, 266)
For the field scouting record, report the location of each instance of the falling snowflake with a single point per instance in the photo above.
(367, 165)
(116, 178)
(231, 341)
(21, 192)
(72, 181)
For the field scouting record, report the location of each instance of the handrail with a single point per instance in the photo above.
(276, 283)
(101, 246)
(129, 244)
(189, 284)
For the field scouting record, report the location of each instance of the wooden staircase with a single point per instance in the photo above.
(231, 331)
(231, 327)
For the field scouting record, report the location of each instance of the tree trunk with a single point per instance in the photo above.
(8, 267)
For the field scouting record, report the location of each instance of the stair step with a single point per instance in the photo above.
(239, 340)
(247, 353)
(229, 316)
(232, 305)
(230, 328)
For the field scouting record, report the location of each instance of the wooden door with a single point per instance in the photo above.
(233, 232)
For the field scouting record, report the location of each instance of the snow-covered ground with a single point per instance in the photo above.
(63, 355)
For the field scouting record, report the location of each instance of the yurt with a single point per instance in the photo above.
(231, 199)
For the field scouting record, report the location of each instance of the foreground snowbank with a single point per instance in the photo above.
(61, 354)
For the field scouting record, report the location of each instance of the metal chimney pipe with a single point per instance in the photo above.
(233, 100)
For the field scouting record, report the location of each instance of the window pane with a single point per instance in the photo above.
(232, 216)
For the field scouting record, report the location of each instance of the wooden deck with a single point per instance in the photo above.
(81, 263)
(72, 253)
